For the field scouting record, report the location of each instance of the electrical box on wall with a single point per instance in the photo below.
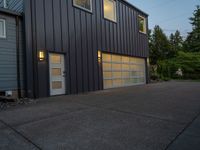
(8, 93)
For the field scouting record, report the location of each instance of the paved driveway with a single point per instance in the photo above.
(148, 117)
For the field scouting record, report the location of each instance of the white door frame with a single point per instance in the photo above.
(57, 74)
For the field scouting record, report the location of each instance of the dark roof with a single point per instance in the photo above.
(17, 5)
(14, 5)
(134, 7)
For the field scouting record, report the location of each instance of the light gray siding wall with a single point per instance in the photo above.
(14, 5)
(8, 55)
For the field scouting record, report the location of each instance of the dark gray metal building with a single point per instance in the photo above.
(75, 46)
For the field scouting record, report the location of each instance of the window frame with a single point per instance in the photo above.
(5, 4)
(4, 29)
(115, 10)
(144, 25)
(85, 9)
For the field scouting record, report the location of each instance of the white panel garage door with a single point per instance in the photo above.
(121, 71)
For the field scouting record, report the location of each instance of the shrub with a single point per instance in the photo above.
(188, 63)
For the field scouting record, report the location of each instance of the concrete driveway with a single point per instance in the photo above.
(148, 117)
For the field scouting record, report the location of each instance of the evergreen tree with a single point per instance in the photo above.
(192, 42)
(159, 45)
(176, 43)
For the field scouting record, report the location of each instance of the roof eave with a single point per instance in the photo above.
(128, 3)
(10, 12)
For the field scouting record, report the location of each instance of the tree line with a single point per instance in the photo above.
(168, 55)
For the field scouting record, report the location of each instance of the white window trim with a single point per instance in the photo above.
(5, 4)
(89, 10)
(4, 32)
(144, 26)
(115, 9)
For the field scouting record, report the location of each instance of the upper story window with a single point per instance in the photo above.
(5, 4)
(110, 10)
(2, 28)
(142, 24)
(83, 4)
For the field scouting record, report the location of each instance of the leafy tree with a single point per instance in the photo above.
(176, 43)
(192, 42)
(159, 45)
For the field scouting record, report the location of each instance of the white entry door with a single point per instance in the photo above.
(57, 74)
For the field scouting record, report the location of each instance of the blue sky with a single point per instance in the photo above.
(169, 14)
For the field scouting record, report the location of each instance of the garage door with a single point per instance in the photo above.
(121, 71)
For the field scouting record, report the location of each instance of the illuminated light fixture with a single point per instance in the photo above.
(99, 56)
(41, 55)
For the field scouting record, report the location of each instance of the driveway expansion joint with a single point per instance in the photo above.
(131, 113)
(50, 117)
(182, 131)
(20, 134)
(146, 116)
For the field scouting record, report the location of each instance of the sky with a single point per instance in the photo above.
(170, 15)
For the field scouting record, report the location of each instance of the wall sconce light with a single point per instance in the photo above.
(99, 56)
(41, 55)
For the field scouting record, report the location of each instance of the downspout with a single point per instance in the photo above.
(18, 58)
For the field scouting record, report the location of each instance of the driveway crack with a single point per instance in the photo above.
(182, 131)
(20, 134)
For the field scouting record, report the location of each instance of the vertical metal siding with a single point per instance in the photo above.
(95, 40)
(58, 26)
(21, 54)
(41, 45)
(72, 48)
(90, 54)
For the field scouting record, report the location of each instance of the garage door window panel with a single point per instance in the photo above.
(117, 82)
(125, 74)
(117, 75)
(107, 66)
(133, 73)
(134, 80)
(108, 83)
(141, 80)
(125, 59)
(116, 67)
(106, 58)
(125, 67)
(125, 71)
(116, 59)
(107, 75)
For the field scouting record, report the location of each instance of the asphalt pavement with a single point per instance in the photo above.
(161, 116)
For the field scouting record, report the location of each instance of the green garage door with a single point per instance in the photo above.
(121, 71)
